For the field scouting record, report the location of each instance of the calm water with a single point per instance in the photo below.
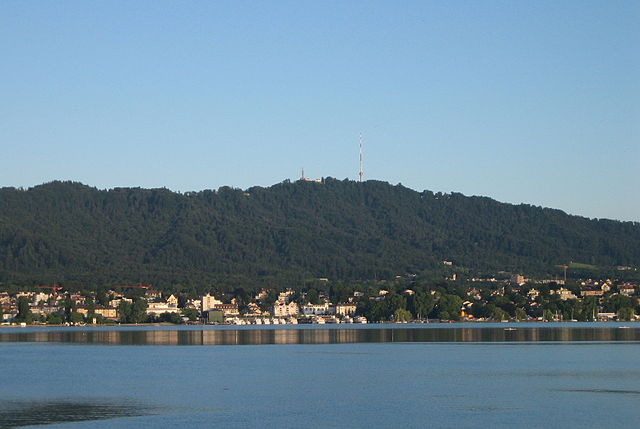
(442, 376)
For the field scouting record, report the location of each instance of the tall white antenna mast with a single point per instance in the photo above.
(361, 174)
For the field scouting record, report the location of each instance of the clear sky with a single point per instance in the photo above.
(522, 101)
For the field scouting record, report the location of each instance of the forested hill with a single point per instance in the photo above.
(346, 230)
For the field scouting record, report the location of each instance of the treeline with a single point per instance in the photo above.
(286, 234)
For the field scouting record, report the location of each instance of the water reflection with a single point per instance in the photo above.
(35, 413)
(323, 336)
(618, 392)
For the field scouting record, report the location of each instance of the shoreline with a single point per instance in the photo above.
(331, 326)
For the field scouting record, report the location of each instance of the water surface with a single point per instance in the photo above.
(539, 376)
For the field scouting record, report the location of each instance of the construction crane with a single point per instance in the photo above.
(54, 289)
(133, 287)
(564, 267)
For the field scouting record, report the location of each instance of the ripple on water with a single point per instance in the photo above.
(44, 412)
(609, 391)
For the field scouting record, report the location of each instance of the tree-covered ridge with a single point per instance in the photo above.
(346, 230)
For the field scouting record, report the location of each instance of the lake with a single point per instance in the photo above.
(411, 376)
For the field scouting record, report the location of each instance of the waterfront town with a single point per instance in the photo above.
(403, 300)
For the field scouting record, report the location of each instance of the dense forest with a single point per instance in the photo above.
(286, 233)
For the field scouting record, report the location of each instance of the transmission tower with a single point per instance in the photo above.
(361, 173)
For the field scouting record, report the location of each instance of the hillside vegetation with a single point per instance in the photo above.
(345, 230)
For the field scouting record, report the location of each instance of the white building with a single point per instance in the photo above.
(253, 309)
(315, 309)
(116, 302)
(172, 300)
(345, 309)
(566, 294)
(285, 296)
(158, 308)
(209, 302)
(280, 309)
(41, 297)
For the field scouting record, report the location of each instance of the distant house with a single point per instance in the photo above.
(116, 302)
(152, 294)
(158, 308)
(193, 303)
(282, 309)
(77, 298)
(474, 293)
(44, 309)
(172, 301)
(315, 309)
(626, 289)
(253, 309)
(382, 294)
(498, 292)
(285, 296)
(548, 281)
(591, 291)
(228, 309)
(606, 316)
(41, 297)
(106, 312)
(261, 295)
(345, 309)
(518, 279)
(565, 294)
(7, 315)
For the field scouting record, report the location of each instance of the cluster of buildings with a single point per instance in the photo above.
(45, 307)
(283, 311)
(532, 294)
(530, 298)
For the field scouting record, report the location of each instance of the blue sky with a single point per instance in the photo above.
(535, 102)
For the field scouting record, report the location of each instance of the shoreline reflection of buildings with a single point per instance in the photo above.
(204, 337)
